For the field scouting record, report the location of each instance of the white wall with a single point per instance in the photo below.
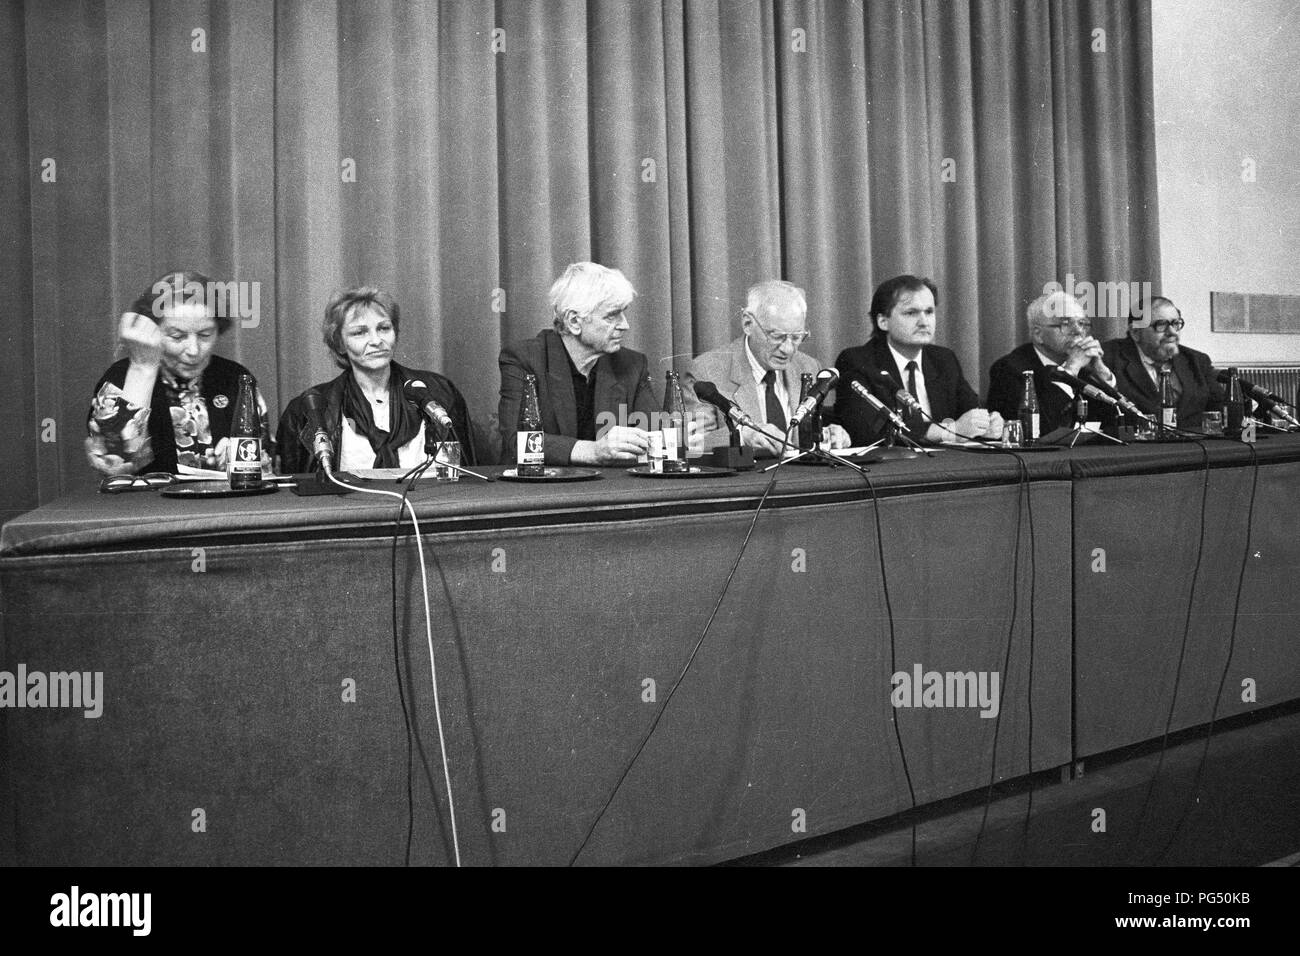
(1227, 88)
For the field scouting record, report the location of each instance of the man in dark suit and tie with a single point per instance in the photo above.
(760, 371)
(1060, 336)
(1152, 343)
(583, 374)
(901, 355)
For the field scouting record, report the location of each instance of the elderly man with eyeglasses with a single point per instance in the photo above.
(1060, 336)
(760, 371)
(1152, 343)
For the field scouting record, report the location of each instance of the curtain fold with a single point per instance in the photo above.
(460, 154)
(20, 426)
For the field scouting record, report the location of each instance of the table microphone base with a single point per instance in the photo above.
(315, 483)
(892, 453)
(727, 456)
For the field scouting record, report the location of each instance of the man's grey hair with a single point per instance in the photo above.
(586, 288)
(767, 297)
(1047, 307)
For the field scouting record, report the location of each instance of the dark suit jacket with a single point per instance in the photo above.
(950, 394)
(1200, 389)
(1055, 408)
(624, 393)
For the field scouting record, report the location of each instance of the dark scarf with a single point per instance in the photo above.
(403, 419)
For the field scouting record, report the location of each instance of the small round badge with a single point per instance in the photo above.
(221, 401)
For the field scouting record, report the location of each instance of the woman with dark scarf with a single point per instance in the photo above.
(370, 422)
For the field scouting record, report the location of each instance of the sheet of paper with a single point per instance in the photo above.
(386, 474)
(186, 473)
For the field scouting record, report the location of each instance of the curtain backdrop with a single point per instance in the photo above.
(699, 145)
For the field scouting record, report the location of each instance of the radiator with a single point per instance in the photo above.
(1283, 380)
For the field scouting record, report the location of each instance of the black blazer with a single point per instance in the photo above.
(1055, 408)
(1201, 391)
(295, 454)
(950, 394)
(623, 390)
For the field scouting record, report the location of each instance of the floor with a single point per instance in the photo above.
(1243, 811)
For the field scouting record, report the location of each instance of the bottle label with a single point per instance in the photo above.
(1169, 416)
(672, 444)
(530, 448)
(246, 456)
(656, 454)
(1030, 422)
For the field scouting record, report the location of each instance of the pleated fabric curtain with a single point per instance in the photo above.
(461, 153)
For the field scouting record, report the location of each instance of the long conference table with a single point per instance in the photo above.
(258, 709)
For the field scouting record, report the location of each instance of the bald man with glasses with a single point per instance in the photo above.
(1060, 336)
(1153, 343)
(760, 371)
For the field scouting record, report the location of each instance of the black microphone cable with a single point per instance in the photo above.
(1194, 799)
(401, 691)
(1182, 652)
(645, 739)
(1024, 506)
(1029, 693)
(397, 663)
(428, 630)
(893, 651)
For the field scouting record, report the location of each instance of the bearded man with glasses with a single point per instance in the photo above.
(1060, 336)
(760, 371)
(1152, 343)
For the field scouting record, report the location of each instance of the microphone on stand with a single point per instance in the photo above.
(708, 392)
(1268, 401)
(1117, 397)
(314, 435)
(1081, 387)
(826, 380)
(865, 394)
(908, 401)
(418, 393)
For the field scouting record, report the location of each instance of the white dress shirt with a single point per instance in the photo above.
(922, 396)
(357, 453)
(760, 373)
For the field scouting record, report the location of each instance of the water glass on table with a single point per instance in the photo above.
(448, 454)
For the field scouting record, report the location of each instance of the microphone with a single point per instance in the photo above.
(878, 405)
(708, 392)
(1268, 401)
(891, 382)
(1117, 397)
(322, 447)
(1080, 386)
(1258, 394)
(826, 380)
(907, 400)
(416, 391)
